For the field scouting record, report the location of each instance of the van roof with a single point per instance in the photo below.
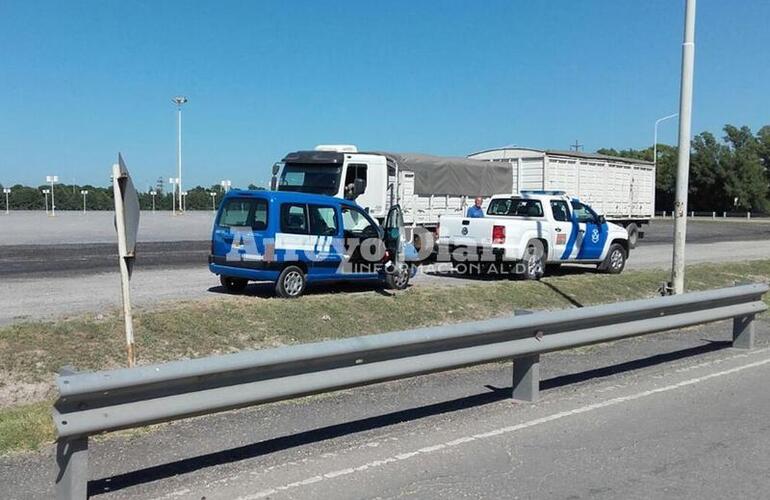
(284, 196)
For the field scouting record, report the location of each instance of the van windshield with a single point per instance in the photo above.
(310, 178)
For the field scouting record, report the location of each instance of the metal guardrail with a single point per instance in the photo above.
(91, 403)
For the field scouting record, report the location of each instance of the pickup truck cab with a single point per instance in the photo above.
(532, 230)
(293, 239)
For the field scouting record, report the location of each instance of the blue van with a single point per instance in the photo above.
(293, 239)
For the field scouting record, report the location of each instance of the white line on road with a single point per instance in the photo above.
(498, 432)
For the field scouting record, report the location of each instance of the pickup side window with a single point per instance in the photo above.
(515, 207)
(584, 213)
(244, 212)
(323, 220)
(293, 218)
(560, 210)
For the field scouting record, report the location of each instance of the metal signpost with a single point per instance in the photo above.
(127, 226)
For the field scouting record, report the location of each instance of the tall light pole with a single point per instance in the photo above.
(225, 185)
(45, 193)
(655, 138)
(153, 194)
(213, 201)
(84, 192)
(184, 201)
(174, 181)
(179, 100)
(52, 179)
(7, 192)
(683, 167)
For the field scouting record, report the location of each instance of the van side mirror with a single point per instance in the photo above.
(276, 168)
(601, 220)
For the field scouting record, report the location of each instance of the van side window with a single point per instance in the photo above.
(560, 210)
(323, 220)
(356, 224)
(293, 218)
(244, 212)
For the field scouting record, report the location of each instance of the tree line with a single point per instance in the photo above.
(730, 173)
(69, 197)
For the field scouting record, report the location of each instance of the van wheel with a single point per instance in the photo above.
(398, 279)
(233, 285)
(291, 283)
(534, 261)
(615, 260)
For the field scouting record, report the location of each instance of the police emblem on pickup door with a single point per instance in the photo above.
(595, 236)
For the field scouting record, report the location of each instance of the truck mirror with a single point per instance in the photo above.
(276, 168)
(359, 186)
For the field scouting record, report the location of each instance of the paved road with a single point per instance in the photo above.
(70, 293)
(167, 242)
(677, 414)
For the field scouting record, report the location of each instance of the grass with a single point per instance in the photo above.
(33, 351)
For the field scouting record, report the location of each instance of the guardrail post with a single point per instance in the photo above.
(526, 378)
(72, 465)
(743, 332)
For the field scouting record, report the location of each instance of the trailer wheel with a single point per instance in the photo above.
(633, 235)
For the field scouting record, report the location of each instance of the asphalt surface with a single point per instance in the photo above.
(678, 414)
(47, 258)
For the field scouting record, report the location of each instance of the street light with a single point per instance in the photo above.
(683, 164)
(655, 138)
(45, 193)
(213, 201)
(52, 179)
(7, 192)
(84, 192)
(184, 201)
(226, 185)
(153, 194)
(174, 181)
(179, 100)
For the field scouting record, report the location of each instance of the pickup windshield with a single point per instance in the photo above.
(515, 207)
(310, 178)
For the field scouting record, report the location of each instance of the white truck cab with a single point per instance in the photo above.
(535, 229)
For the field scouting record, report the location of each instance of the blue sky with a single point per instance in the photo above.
(82, 80)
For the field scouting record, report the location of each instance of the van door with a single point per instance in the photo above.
(394, 234)
(358, 229)
(325, 237)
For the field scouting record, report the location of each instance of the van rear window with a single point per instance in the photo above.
(244, 212)
(515, 207)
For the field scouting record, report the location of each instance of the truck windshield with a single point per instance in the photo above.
(310, 178)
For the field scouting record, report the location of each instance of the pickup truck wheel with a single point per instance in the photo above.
(615, 260)
(291, 283)
(398, 279)
(534, 261)
(233, 285)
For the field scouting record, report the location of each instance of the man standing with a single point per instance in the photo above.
(475, 211)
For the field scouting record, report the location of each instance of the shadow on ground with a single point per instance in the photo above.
(492, 395)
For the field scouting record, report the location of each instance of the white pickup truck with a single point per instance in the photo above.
(530, 231)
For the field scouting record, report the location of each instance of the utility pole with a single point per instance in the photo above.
(577, 146)
(179, 100)
(683, 167)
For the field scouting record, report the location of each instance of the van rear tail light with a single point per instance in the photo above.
(498, 234)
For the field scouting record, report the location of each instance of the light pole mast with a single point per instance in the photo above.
(683, 167)
(179, 100)
(655, 138)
